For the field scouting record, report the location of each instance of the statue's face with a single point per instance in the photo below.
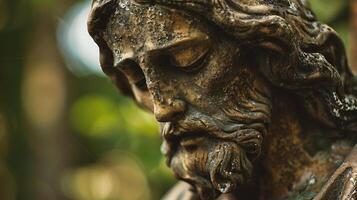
(212, 106)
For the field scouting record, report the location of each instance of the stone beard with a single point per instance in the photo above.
(215, 154)
(214, 72)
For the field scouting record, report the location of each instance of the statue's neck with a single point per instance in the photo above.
(299, 153)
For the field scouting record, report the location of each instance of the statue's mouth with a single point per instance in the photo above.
(192, 141)
(187, 140)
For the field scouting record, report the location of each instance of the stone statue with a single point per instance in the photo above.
(255, 98)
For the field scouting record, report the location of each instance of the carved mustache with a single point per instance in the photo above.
(248, 136)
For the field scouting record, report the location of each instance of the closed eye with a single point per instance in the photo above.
(190, 58)
(188, 55)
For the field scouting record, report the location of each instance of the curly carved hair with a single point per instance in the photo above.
(294, 51)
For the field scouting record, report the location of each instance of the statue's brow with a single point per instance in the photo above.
(181, 43)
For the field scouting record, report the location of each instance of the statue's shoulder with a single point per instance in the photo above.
(343, 183)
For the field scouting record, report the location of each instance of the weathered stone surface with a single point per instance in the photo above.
(254, 97)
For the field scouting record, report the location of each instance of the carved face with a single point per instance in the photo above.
(212, 106)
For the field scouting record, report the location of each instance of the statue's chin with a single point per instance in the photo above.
(213, 167)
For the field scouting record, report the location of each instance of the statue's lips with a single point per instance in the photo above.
(186, 140)
(192, 140)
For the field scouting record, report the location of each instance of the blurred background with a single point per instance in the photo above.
(65, 131)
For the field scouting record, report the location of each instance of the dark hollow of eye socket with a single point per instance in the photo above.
(141, 85)
(134, 73)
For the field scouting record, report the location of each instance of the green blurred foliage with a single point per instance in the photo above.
(106, 122)
(328, 10)
(336, 14)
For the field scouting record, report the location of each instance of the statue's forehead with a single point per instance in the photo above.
(134, 30)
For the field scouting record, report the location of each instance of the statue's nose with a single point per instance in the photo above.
(165, 112)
